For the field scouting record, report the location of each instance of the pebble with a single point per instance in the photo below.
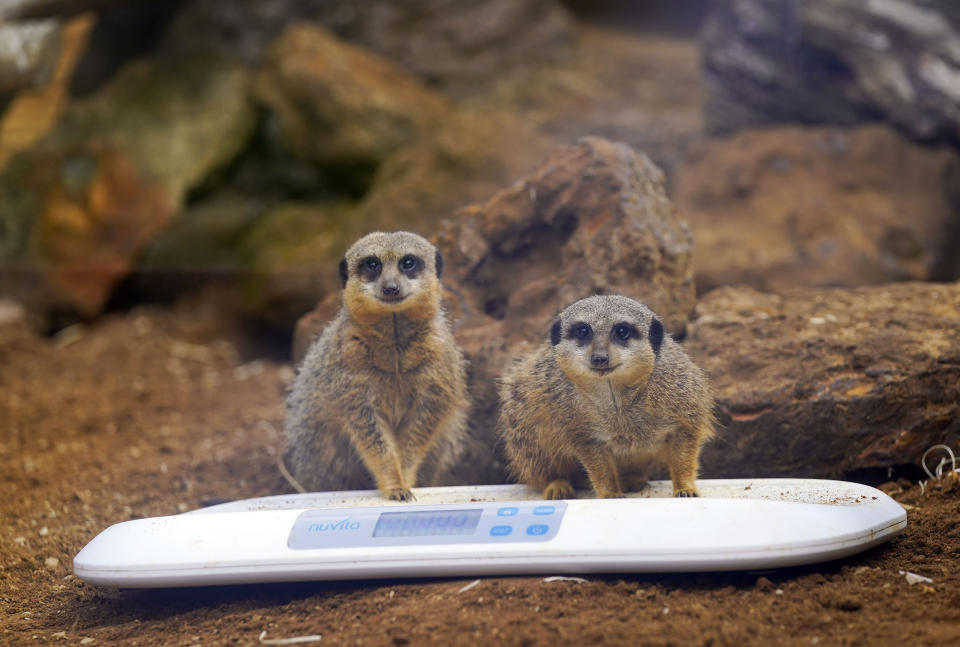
(52, 562)
(11, 312)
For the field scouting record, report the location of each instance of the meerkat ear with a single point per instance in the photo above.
(656, 335)
(438, 262)
(555, 333)
(343, 272)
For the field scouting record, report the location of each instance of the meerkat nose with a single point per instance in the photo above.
(391, 290)
(599, 360)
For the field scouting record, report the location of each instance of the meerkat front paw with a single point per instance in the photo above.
(634, 482)
(399, 494)
(610, 494)
(559, 489)
(685, 493)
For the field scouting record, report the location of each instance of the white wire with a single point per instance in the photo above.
(937, 473)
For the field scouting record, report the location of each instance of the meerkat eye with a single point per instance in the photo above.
(581, 332)
(409, 264)
(370, 267)
(623, 332)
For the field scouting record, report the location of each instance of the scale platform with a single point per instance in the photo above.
(494, 530)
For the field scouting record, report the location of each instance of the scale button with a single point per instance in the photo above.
(501, 531)
(507, 512)
(537, 529)
(544, 509)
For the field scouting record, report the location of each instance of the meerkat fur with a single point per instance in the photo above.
(380, 398)
(606, 393)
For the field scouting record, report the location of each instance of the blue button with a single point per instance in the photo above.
(507, 512)
(501, 531)
(537, 529)
(544, 509)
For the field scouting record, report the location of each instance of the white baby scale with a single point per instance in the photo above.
(494, 530)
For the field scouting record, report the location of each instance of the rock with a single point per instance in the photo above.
(11, 312)
(834, 61)
(84, 201)
(292, 255)
(337, 104)
(28, 54)
(72, 223)
(206, 242)
(34, 110)
(453, 43)
(203, 120)
(593, 218)
(457, 44)
(803, 207)
(818, 383)
(462, 159)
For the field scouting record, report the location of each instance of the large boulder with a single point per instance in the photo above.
(338, 104)
(464, 158)
(80, 205)
(819, 383)
(593, 218)
(451, 43)
(834, 61)
(803, 207)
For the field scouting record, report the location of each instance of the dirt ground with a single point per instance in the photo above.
(161, 410)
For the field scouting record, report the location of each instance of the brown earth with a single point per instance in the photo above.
(161, 410)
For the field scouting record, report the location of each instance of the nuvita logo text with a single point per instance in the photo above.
(331, 526)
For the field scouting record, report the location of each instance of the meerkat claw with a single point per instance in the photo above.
(634, 483)
(685, 494)
(560, 489)
(400, 494)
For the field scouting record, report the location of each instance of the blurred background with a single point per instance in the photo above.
(153, 149)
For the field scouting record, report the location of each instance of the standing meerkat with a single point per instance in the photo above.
(382, 391)
(607, 393)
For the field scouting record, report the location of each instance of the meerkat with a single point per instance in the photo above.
(608, 391)
(380, 396)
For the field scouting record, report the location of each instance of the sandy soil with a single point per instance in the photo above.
(162, 410)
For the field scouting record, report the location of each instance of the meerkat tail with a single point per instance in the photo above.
(288, 476)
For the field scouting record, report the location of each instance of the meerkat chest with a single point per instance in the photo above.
(386, 360)
(619, 416)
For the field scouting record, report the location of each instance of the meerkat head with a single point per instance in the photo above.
(607, 337)
(390, 273)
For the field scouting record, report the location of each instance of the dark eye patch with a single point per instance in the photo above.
(656, 335)
(580, 332)
(370, 268)
(410, 265)
(622, 333)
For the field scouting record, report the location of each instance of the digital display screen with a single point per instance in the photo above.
(427, 524)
